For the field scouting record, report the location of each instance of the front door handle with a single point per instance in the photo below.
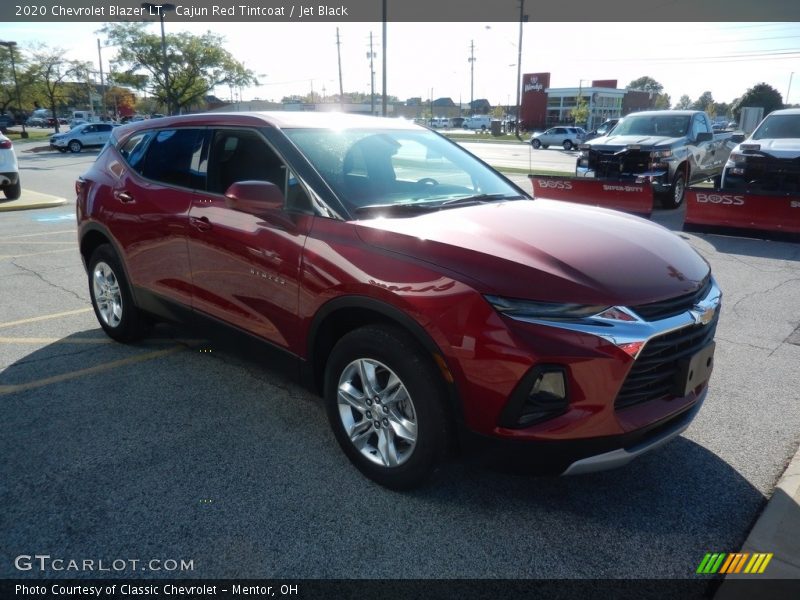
(123, 196)
(200, 223)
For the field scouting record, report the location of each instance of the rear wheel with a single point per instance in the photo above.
(386, 404)
(111, 297)
(568, 145)
(13, 191)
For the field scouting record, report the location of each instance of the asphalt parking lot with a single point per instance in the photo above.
(178, 448)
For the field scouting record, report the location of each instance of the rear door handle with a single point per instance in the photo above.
(123, 196)
(200, 223)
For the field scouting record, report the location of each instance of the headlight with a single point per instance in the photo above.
(660, 154)
(543, 310)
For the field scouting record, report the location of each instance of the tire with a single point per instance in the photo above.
(676, 194)
(536, 144)
(75, 146)
(13, 191)
(568, 145)
(111, 296)
(408, 396)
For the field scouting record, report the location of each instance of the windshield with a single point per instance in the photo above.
(778, 126)
(659, 125)
(384, 167)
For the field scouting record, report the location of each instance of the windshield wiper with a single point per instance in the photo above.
(399, 207)
(432, 204)
(478, 199)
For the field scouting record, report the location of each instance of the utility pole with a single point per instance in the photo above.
(519, 63)
(471, 61)
(102, 83)
(339, 55)
(371, 55)
(383, 100)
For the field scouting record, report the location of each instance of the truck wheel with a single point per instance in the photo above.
(675, 198)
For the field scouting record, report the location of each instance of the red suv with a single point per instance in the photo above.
(430, 299)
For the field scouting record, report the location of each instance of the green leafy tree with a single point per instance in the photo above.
(704, 102)
(195, 64)
(55, 77)
(662, 102)
(8, 92)
(645, 84)
(761, 94)
(580, 114)
(684, 103)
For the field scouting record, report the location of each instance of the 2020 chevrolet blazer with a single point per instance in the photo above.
(429, 297)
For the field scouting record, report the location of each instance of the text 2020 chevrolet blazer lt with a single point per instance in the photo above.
(429, 297)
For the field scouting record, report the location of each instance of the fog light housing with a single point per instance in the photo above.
(541, 395)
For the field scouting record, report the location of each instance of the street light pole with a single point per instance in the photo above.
(163, 9)
(519, 63)
(10, 46)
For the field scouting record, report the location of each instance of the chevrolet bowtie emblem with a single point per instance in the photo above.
(703, 316)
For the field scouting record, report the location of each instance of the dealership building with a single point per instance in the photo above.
(543, 106)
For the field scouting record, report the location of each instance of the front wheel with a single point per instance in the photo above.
(675, 198)
(386, 404)
(75, 146)
(536, 144)
(111, 297)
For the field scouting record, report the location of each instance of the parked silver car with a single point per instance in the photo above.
(568, 137)
(82, 136)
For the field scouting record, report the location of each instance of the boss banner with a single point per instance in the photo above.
(743, 210)
(636, 198)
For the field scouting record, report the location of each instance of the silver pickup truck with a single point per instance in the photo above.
(668, 148)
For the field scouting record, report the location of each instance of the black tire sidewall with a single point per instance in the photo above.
(397, 350)
(13, 191)
(536, 144)
(131, 326)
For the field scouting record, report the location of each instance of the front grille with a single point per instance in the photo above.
(613, 165)
(674, 306)
(655, 370)
(768, 174)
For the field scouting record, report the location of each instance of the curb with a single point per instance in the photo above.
(31, 200)
(776, 531)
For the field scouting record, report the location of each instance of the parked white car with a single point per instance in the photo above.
(9, 170)
(82, 136)
(478, 122)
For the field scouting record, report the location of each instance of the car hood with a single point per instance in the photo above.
(779, 148)
(618, 142)
(548, 251)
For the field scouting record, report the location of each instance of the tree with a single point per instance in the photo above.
(196, 64)
(761, 94)
(51, 71)
(662, 102)
(646, 84)
(8, 91)
(684, 103)
(704, 102)
(580, 114)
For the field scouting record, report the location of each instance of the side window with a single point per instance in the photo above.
(133, 149)
(242, 155)
(174, 156)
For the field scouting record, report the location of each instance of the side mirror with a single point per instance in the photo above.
(704, 136)
(254, 197)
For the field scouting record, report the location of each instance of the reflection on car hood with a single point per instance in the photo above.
(548, 251)
(779, 148)
(623, 141)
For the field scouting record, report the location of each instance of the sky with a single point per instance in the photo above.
(431, 59)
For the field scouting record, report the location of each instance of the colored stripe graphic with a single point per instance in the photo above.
(724, 563)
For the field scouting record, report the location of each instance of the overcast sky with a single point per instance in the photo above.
(425, 58)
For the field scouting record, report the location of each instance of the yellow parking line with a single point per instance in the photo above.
(85, 340)
(37, 253)
(17, 243)
(10, 389)
(45, 317)
(25, 235)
